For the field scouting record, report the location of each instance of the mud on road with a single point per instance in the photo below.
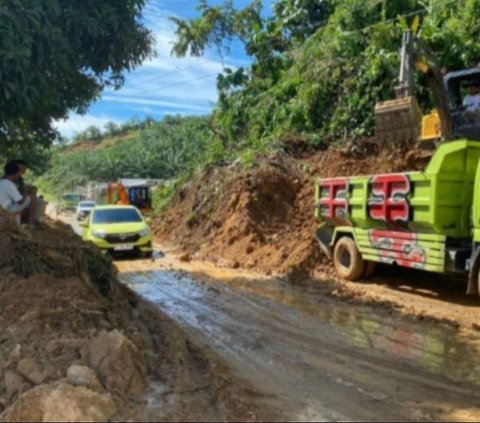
(77, 345)
(261, 218)
(310, 356)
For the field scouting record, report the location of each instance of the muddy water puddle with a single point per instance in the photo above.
(318, 358)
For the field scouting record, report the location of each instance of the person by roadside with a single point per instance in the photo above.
(28, 215)
(40, 208)
(11, 201)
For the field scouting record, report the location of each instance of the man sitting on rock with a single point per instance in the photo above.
(11, 201)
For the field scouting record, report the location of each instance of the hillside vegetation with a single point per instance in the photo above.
(161, 150)
(318, 68)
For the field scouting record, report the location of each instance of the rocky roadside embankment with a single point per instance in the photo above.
(76, 345)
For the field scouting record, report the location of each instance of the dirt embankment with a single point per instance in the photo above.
(262, 218)
(76, 345)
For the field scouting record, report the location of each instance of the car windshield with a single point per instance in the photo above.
(87, 204)
(119, 215)
(73, 197)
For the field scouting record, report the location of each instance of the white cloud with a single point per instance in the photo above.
(162, 85)
(77, 123)
(147, 102)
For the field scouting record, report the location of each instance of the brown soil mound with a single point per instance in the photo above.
(262, 217)
(66, 330)
(76, 345)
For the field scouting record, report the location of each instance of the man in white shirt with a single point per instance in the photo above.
(471, 101)
(10, 199)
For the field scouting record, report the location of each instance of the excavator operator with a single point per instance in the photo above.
(471, 101)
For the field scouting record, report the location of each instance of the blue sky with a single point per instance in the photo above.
(163, 85)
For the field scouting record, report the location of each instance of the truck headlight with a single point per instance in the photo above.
(99, 234)
(144, 232)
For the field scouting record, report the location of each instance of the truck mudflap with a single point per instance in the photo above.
(473, 287)
(407, 249)
(324, 235)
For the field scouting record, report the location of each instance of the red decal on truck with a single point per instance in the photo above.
(388, 201)
(398, 247)
(333, 198)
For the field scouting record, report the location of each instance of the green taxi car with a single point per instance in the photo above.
(118, 229)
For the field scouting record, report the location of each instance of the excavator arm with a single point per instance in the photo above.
(399, 120)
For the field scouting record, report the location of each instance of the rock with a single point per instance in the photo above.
(32, 371)
(83, 376)
(13, 381)
(185, 257)
(15, 354)
(59, 401)
(117, 361)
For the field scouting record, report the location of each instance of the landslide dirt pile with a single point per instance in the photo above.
(262, 217)
(68, 349)
(76, 345)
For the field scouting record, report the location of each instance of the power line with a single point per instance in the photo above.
(267, 42)
(177, 83)
(175, 72)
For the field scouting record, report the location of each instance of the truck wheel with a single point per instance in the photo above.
(370, 267)
(347, 259)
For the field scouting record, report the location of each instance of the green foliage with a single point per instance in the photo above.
(319, 67)
(58, 55)
(161, 195)
(161, 150)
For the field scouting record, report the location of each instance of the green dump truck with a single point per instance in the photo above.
(425, 220)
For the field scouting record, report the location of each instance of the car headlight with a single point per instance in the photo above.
(144, 232)
(99, 234)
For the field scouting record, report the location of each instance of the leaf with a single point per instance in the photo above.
(415, 24)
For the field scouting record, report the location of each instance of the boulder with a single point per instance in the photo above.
(118, 362)
(83, 376)
(58, 401)
(31, 371)
(13, 382)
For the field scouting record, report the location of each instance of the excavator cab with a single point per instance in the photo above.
(466, 119)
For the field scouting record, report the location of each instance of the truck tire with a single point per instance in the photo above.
(370, 267)
(347, 260)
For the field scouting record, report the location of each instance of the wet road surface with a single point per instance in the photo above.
(316, 358)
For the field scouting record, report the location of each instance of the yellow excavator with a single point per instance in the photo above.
(401, 120)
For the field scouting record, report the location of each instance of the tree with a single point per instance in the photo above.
(93, 133)
(58, 55)
(301, 18)
(111, 129)
(319, 66)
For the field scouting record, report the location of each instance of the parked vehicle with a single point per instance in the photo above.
(425, 220)
(70, 201)
(136, 192)
(118, 229)
(84, 208)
